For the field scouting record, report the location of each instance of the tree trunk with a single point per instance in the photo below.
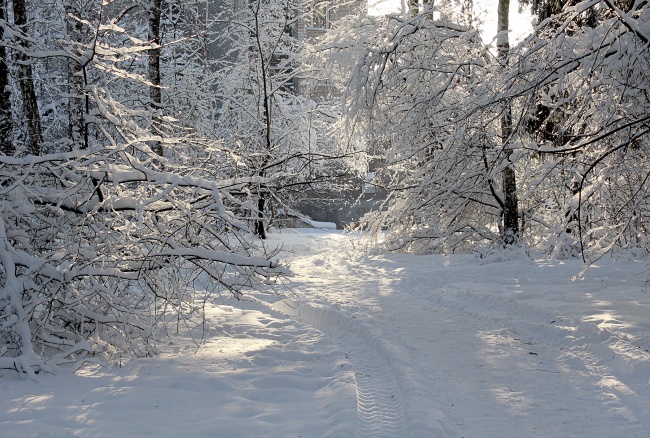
(268, 143)
(259, 223)
(26, 83)
(414, 7)
(511, 231)
(76, 102)
(155, 92)
(7, 146)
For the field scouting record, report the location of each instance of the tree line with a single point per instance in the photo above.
(483, 146)
(147, 146)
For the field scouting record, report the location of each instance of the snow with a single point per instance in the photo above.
(378, 345)
(321, 225)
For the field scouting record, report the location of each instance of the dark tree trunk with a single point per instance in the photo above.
(511, 231)
(259, 223)
(26, 84)
(77, 130)
(155, 92)
(268, 142)
(7, 146)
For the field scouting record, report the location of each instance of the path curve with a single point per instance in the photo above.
(459, 354)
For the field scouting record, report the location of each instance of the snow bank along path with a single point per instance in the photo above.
(377, 346)
(445, 346)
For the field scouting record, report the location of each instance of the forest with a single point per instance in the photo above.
(146, 147)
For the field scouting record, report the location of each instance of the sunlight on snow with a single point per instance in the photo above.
(385, 288)
(516, 401)
(85, 416)
(613, 383)
(30, 403)
(501, 348)
(606, 319)
(230, 347)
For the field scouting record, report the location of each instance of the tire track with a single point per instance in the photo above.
(394, 398)
(391, 401)
(380, 411)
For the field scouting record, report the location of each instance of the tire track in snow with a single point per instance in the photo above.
(391, 401)
(394, 398)
(380, 411)
(511, 337)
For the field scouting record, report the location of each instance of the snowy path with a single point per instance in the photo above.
(463, 353)
(377, 346)
(380, 409)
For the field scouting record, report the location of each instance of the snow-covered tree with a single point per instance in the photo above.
(102, 244)
(423, 91)
(557, 124)
(272, 130)
(510, 202)
(584, 76)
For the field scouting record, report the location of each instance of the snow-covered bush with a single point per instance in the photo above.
(103, 241)
(431, 99)
(98, 248)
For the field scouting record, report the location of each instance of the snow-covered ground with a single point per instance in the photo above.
(379, 346)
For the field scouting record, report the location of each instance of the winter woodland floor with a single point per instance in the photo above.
(379, 346)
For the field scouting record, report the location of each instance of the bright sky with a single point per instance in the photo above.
(520, 23)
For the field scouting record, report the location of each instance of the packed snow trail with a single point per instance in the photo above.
(463, 349)
(391, 402)
(421, 346)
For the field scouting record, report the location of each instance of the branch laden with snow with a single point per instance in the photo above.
(95, 247)
(103, 241)
(428, 95)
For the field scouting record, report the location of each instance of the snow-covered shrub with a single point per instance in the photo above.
(431, 98)
(98, 249)
(103, 241)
